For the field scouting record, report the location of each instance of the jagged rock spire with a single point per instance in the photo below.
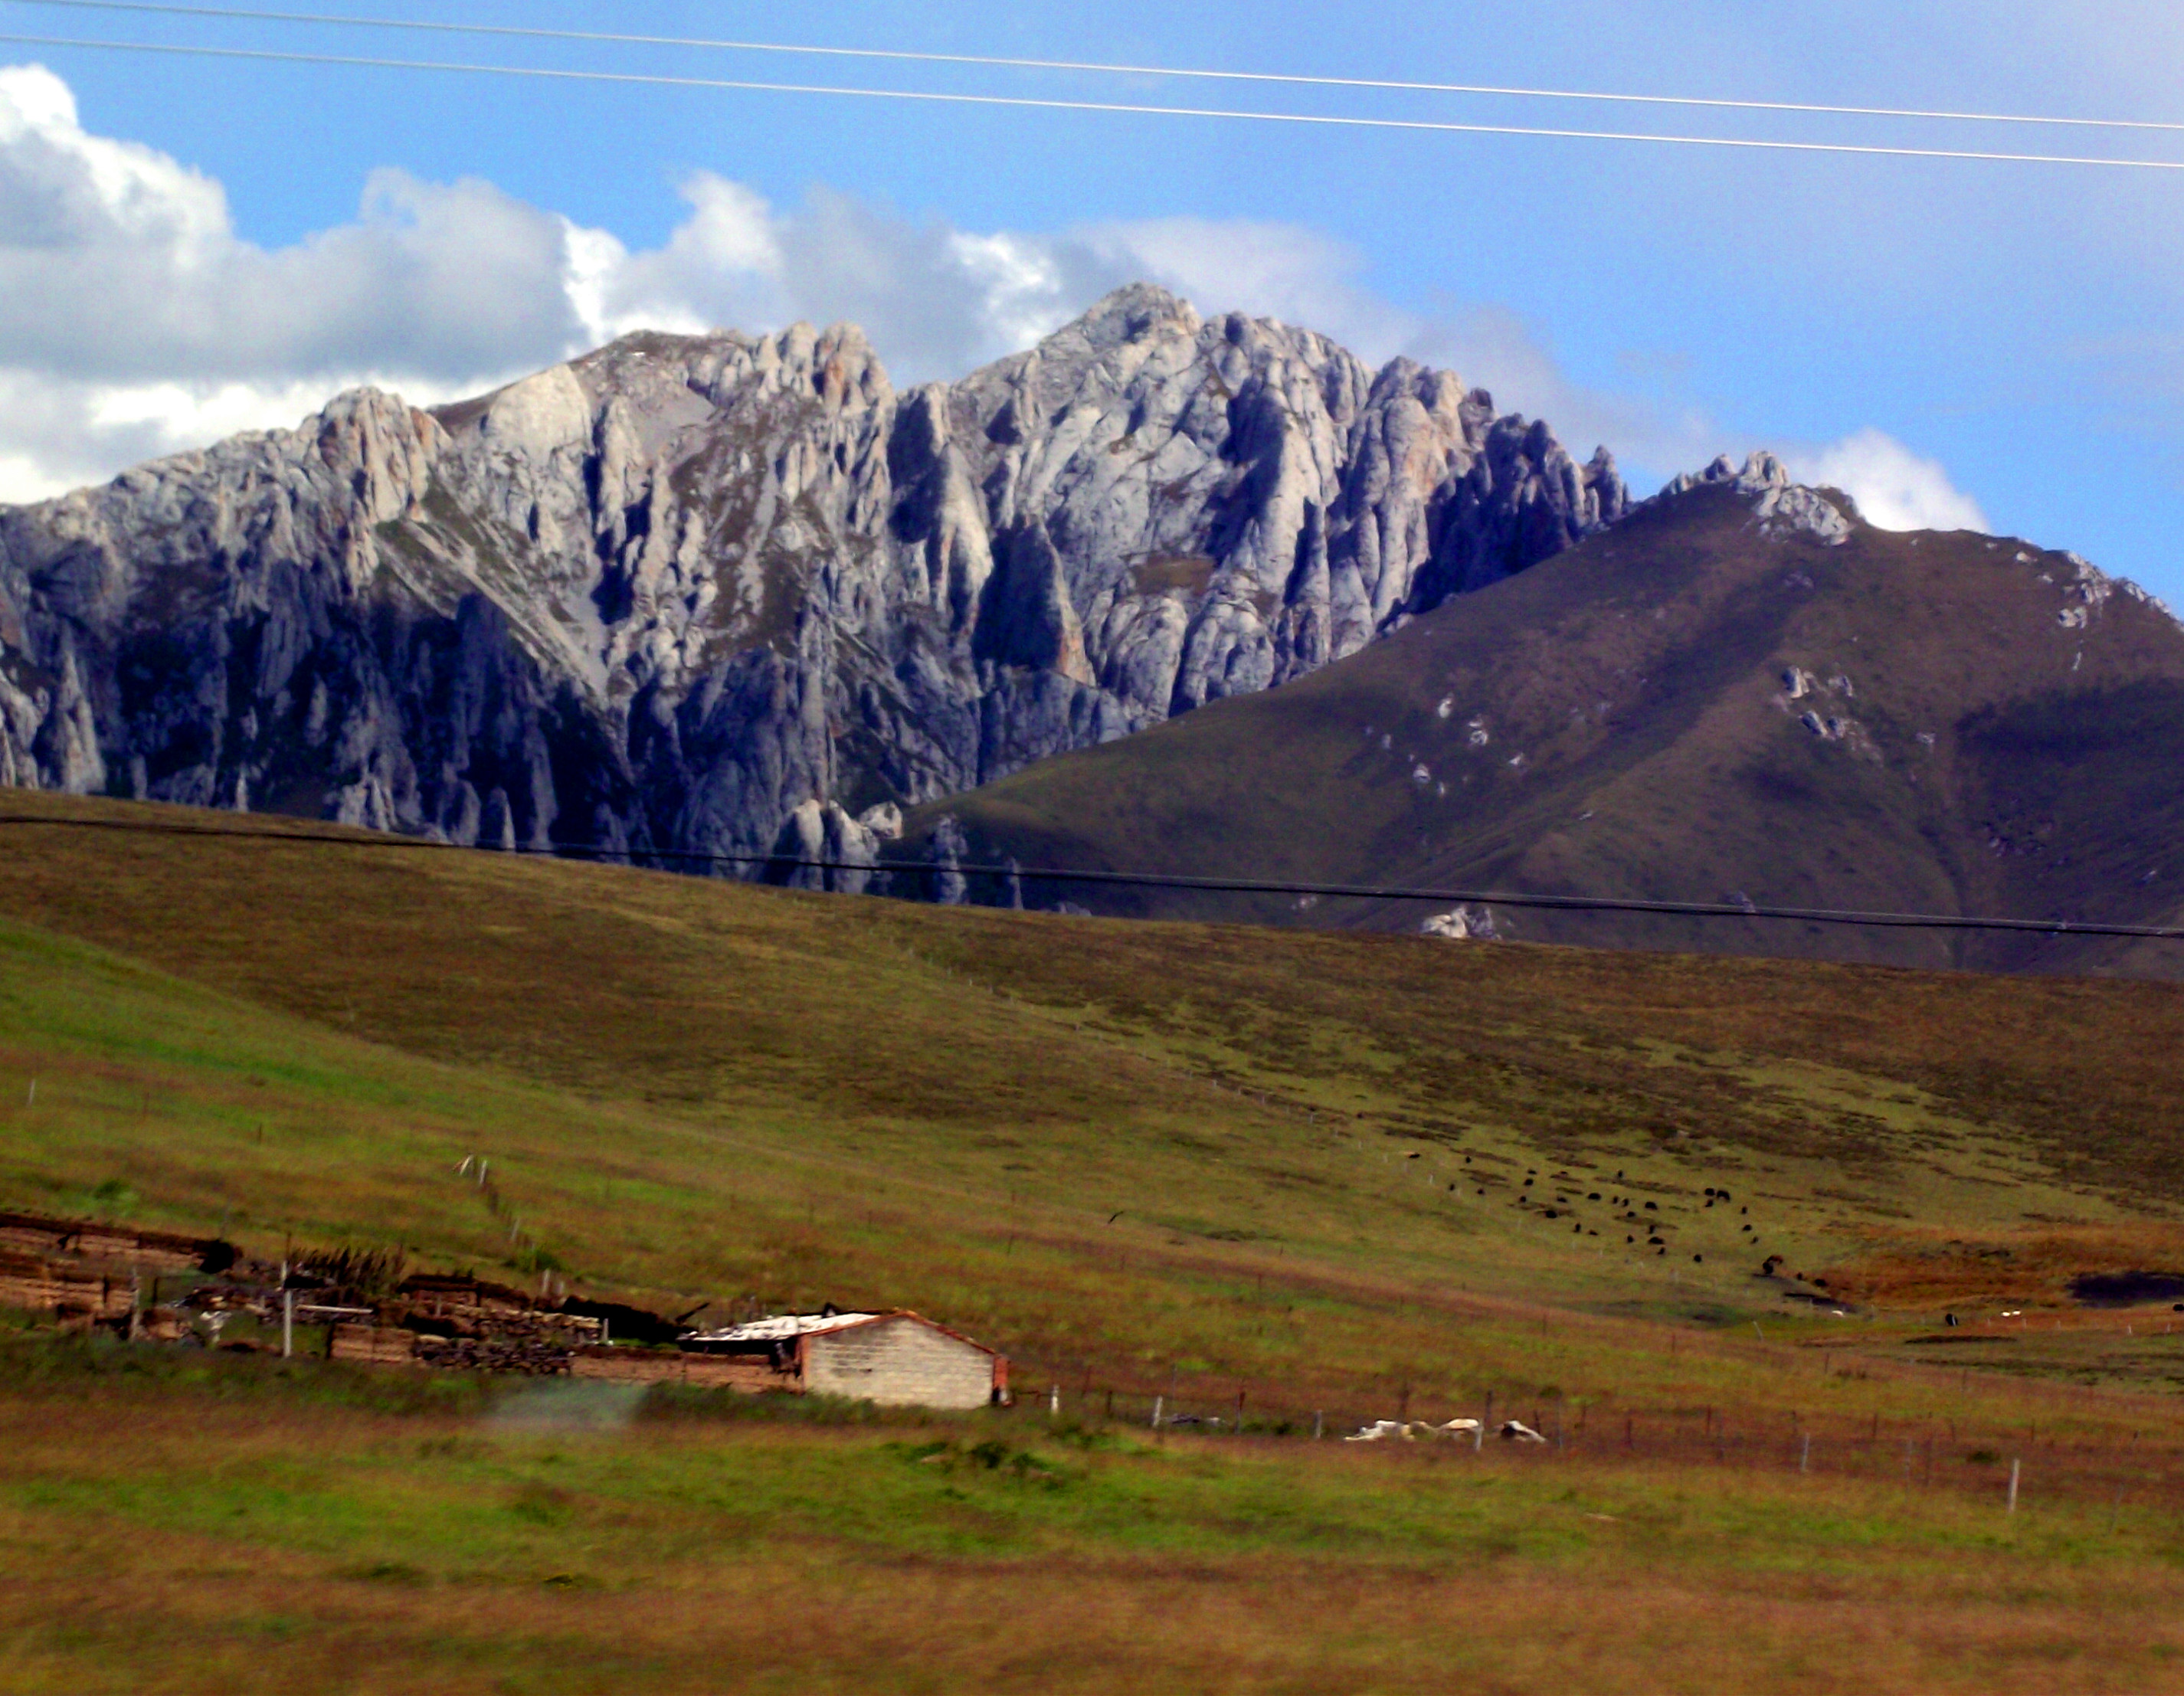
(668, 594)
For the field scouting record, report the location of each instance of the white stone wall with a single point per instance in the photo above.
(897, 1362)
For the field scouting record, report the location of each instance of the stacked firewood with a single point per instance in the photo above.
(350, 1304)
(67, 1288)
(492, 1334)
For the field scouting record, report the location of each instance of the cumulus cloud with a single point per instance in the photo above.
(134, 321)
(936, 301)
(117, 264)
(1894, 487)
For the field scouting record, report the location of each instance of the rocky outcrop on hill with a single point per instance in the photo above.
(713, 593)
(1741, 695)
(1782, 507)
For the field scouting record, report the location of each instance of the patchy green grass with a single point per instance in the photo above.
(1240, 1171)
(1158, 1157)
(255, 1531)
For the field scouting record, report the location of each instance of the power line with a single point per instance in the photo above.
(1095, 67)
(1032, 103)
(926, 868)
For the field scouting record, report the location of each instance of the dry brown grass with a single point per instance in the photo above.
(1934, 1269)
(183, 1546)
(1148, 1160)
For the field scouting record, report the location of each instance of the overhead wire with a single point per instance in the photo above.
(990, 61)
(951, 97)
(1219, 886)
(933, 97)
(1746, 911)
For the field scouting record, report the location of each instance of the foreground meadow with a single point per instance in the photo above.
(234, 1527)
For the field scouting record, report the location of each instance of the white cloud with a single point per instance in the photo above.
(57, 434)
(135, 321)
(1895, 488)
(117, 264)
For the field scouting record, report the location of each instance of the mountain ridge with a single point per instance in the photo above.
(662, 596)
(1741, 693)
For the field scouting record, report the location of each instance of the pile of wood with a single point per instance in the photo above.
(149, 1252)
(469, 1325)
(67, 1289)
(373, 1345)
(85, 1274)
(666, 1366)
(461, 1298)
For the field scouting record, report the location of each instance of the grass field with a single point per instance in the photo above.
(1144, 1160)
(254, 1531)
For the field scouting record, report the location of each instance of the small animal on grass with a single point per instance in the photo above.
(1409, 1430)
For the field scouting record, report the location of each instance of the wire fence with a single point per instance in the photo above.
(2015, 1466)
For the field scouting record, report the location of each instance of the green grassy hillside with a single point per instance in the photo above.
(1995, 736)
(1277, 1170)
(706, 1089)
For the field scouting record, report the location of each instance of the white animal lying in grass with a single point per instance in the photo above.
(1409, 1430)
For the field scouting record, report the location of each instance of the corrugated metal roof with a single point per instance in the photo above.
(783, 1326)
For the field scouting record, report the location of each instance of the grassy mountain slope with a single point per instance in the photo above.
(705, 1089)
(1224, 1166)
(1990, 731)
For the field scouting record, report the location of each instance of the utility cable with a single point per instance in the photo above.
(1029, 103)
(600, 37)
(927, 868)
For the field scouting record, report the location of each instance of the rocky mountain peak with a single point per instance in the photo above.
(1762, 471)
(1133, 313)
(669, 592)
(1782, 506)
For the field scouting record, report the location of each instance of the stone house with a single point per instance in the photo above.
(895, 1359)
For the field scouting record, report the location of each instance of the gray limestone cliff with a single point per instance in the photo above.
(733, 595)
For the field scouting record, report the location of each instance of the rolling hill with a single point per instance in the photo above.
(1740, 693)
(680, 1080)
(1303, 1177)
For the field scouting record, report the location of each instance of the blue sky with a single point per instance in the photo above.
(197, 246)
